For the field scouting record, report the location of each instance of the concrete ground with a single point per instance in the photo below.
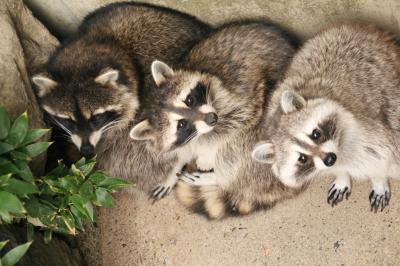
(301, 231)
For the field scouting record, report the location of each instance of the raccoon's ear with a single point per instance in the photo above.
(291, 101)
(161, 72)
(264, 152)
(142, 131)
(44, 85)
(108, 75)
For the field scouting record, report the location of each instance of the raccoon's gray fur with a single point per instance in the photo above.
(218, 94)
(96, 81)
(337, 113)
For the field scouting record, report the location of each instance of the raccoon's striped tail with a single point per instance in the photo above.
(211, 201)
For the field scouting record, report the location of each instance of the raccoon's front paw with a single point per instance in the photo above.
(199, 178)
(338, 191)
(379, 197)
(162, 190)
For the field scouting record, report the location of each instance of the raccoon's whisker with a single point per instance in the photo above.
(61, 126)
(110, 124)
(190, 138)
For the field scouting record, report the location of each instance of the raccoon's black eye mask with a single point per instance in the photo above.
(197, 96)
(66, 122)
(185, 132)
(99, 120)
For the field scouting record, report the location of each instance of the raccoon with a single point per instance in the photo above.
(337, 114)
(97, 82)
(209, 108)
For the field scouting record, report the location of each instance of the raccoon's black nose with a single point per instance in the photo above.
(87, 151)
(330, 159)
(211, 119)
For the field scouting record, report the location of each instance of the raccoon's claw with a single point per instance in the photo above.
(159, 192)
(189, 178)
(207, 178)
(379, 200)
(336, 195)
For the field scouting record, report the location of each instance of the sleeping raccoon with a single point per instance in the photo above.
(338, 114)
(211, 106)
(96, 81)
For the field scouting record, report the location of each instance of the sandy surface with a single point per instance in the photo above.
(301, 231)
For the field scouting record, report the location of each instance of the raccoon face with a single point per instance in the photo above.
(306, 143)
(85, 110)
(185, 111)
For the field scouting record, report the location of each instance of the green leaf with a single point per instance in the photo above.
(97, 177)
(114, 183)
(4, 123)
(78, 203)
(18, 130)
(89, 209)
(37, 209)
(103, 198)
(33, 135)
(69, 222)
(87, 168)
(78, 218)
(14, 255)
(86, 191)
(20, 187)
(4, 179)
(81, 162)
(2, 244)
(75, 171)
(59, 171)
(47, 236)
(21, 156)
(37, 148)
(69, 183)
(30, 231)
(24, 171)
(5, 147)
(7, 167)
(10, 204)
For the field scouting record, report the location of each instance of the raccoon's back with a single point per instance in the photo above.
(147, 31)
(243, 53)
(357, 66)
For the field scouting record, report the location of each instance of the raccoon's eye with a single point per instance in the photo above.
(189, 101)
(316, 134)
(182, 123)
(68, 123)
(98, 120)
(303, 158)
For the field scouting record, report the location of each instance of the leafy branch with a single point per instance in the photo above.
(60, 201)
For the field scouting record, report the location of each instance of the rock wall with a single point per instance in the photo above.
(304, 17)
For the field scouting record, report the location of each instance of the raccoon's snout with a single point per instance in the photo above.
(87, 150)
(211, 119)
(330, 159)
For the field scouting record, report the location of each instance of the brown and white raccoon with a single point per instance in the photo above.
(95, 82)
(209, 111)
(337, 113)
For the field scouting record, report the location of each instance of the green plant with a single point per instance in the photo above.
(14, 255)
(59, 201)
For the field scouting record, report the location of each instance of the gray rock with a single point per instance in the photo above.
(25, 45)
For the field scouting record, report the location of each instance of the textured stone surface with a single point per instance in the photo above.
(25, 45)
(302, 16)
(301, 231)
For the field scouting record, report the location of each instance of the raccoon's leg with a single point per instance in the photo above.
(163, 189)
(380, 194)
(340, 188)
(199, 178)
